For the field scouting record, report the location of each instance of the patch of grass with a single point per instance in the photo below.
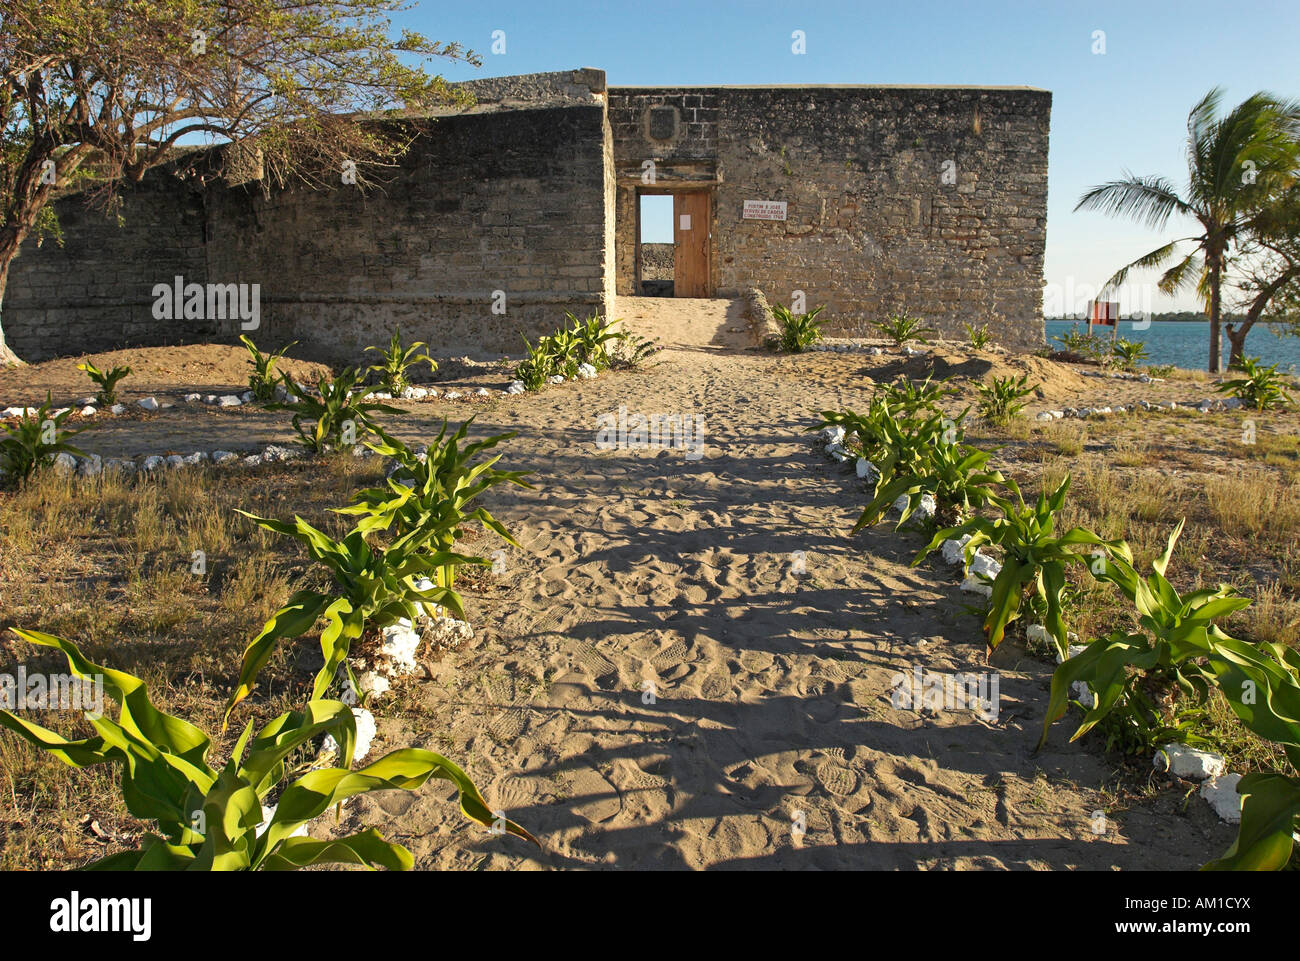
(106, 562)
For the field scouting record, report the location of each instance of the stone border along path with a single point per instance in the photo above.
(1205, 405)
(95, 464)
(1218, 789)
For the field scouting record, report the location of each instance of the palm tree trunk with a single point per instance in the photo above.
(1215, 306)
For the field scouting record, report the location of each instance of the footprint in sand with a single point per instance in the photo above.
(715, 686)
(672, 655)
(836, 779)
(592, 662)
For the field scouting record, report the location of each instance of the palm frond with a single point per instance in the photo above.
(1149, 200)
(1153, 259)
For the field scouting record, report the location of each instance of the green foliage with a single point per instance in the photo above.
(1178, 641)
(1129, 353)
(1000, 400)
(321, 422)
(1260, 388)
(106, 381)
(437, 487)
(35, 441)
(631, 351)
(954, 474)
(1084, 344)
(208, 819)
(977, 337)
(373, 588)
(396, 361)
(262, 380)
(902, 328)
(538, 366)
(798, 331)
(1161, 370)
(563, 352)
(1034, 559)
(910, 398)
(1124, 668)
(592, 336)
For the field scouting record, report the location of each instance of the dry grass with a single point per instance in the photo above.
(1136, 477)
(107, 563)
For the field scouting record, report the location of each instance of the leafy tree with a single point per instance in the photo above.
(97, 92)
(1239, 168)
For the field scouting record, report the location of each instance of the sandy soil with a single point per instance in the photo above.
(771, 689)
(202, 368)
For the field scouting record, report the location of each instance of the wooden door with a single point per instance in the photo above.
(691, 233)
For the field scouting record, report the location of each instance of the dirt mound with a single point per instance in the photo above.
(1056, 382)
(204, 368)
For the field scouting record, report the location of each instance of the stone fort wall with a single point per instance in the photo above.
(501, 206)
(926, 199)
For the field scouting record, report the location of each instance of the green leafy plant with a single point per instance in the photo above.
(902, 328)
(632, 350)
(565, 347)
(1161, 370)
(1033, 561)
(321, 422)
(1129, 353)
(373, 588)
(35, 441)
(977, 337)
(1000, 400)
(396, 361)
(910, 398)
(538, 366)
(1261, 387)
(1084, 345)
(1132, 672)
(798, 332)
(1178, 642)
(593, 335)
(954, 474)
(867, 430)
(262, 381)
(439, 486)
(105, 380)
(209, 819)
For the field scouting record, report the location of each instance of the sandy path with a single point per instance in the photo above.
(771, 690)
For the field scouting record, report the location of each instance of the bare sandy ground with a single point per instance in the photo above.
(771, 691)
(768, 706)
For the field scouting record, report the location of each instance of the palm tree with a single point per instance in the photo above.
(1238, 166)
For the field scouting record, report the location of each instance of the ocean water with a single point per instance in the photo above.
(1187, 344)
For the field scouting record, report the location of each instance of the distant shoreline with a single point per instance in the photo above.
(1158, 320)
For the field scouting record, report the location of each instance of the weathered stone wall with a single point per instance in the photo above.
(925, 199)
(510, 202)
(928, 199)
(93, 292)
(654, 149)
(496, 205)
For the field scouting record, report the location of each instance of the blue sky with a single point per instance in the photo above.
(1126, 108)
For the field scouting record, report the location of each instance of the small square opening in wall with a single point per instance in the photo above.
(663, 123)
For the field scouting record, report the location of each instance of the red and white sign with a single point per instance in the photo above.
(764, 210)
